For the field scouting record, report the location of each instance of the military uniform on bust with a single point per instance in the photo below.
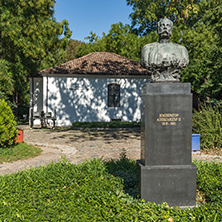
(164, 60)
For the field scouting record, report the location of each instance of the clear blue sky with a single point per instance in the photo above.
(97, 16)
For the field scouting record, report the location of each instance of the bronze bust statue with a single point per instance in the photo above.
(164, 60)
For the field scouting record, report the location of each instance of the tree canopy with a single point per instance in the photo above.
(71, 51)
(147, 13)
(120, 40)
(30, 40)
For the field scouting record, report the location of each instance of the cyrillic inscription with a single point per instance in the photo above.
(169, 119)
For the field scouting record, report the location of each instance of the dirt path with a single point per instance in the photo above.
(80, 145)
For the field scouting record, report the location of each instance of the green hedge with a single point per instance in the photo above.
(94, 191)
(209, 181)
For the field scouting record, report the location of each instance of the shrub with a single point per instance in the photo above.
(89, 192)
(208, 122)
(8, 131)
(128, 170)
(209, 176)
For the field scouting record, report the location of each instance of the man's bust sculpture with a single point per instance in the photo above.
(164, 60)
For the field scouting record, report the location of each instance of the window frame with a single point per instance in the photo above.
(113, 95)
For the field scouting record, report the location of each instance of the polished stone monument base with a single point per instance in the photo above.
(167, 172)
(166, 130)
(175, 185)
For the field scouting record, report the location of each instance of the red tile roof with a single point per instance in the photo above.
(98, 63)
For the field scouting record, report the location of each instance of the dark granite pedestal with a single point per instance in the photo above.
(167, 174)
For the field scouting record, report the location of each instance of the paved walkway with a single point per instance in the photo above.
(80, 145)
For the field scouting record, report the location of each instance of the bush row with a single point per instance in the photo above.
(96, 191)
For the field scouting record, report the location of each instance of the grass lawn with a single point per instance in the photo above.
(19, 151)
(100, 191)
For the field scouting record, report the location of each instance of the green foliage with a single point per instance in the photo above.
(213, 61)
(61, 192)
(18, 151)
(30, 40)
(147, 13)
(204, 44)
(31, 28)
(208, 122)
(6, 81)
(89, 192)
(95, 44)
(8, 131)
(128, 170)
(209, 176)
(113, 124)
(120, 40)
(71, 52)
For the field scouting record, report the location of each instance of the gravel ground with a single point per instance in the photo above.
(80, 145)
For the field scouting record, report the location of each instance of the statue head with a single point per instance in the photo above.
(165, 28)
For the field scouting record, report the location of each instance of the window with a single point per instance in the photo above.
(113, 95)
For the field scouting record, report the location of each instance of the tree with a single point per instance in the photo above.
(212, 62)
(120, 40)
(30, 40)
(96, 44)
(6, 82)
(147, 13)
(30, 27)
(197, 26)
(71, 52)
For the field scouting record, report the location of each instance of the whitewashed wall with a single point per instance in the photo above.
(78, 98)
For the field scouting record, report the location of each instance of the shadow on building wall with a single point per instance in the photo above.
(86, 99)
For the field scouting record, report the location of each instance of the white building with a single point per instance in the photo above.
(100, 86)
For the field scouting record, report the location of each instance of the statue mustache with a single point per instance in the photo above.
(167, 31)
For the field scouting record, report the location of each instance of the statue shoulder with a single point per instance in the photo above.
(145, 54)
(184, 57)
(150, 45)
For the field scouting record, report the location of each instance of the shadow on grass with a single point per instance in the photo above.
(127, 170)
